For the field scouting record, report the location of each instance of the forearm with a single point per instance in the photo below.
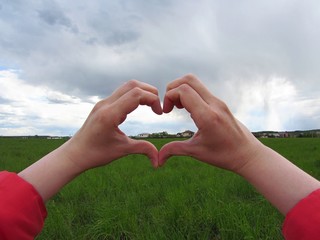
(280, 181)
(52, 172)
(98, 142)
(224, 142)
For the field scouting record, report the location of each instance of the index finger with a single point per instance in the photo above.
(195, 83)
(132, 99)
(129, 86)
(190, 100)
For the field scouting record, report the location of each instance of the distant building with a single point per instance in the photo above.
(163, 134)
(186, 134)
(54, 137)
(275, 135)
(284, 134)
(143, 135)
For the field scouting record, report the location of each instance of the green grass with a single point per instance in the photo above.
(185, 199)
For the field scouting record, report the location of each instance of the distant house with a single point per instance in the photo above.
(143, 135)
(186, 134)
(163, 134)
(54, 137)
(275, 135)
(284, 134)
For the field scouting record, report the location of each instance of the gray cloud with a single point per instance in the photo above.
(59, 100)
(89, 49)
(52, 15)
(4, 100)
(246, 38)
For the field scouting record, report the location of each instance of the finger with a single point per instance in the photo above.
(190, 100)
(178, 105)
(132, 99)
(180, 97)
(145, 148)
(176, 148)
(195, 83)
(169, 105)
(128, 86)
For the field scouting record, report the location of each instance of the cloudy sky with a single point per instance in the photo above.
(57, 58)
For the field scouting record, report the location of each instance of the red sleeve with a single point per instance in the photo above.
(303, 220)
(22, 211)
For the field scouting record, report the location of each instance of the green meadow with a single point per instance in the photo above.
(185, 199)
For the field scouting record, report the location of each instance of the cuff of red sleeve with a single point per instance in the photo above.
(21, 207)
(303, 220)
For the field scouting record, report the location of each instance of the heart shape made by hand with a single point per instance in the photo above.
(216, 142)
(219, 134)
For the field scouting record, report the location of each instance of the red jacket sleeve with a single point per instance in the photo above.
(303, 220)
(22, 210)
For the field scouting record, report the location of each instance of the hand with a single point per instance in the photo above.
(100, 141)
(219, 134)
(224, 142)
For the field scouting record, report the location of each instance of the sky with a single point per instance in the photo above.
(58, 58)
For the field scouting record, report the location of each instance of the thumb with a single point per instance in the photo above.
(145, 148)
(176, 148)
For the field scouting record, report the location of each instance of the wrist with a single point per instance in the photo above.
(250, 158)
(73, 157)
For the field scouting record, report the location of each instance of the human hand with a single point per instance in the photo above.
(100, 141)
(221, 140)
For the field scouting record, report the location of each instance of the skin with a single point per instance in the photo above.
(98, 142)
(222, 141)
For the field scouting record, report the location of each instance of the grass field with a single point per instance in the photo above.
(185, 199)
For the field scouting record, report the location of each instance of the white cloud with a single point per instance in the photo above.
(30, 110)
(275, 104)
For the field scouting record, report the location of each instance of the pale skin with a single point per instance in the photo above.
(98, 142)
(221, 141)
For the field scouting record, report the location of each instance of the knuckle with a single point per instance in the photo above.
(214, 117)
(184, 88)
(169, 87)
(156, 91)
(223, 107)
(99, 115)
(98, 105)
(218, 113)
(190, 77)
(136, 92)
(132, 83)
